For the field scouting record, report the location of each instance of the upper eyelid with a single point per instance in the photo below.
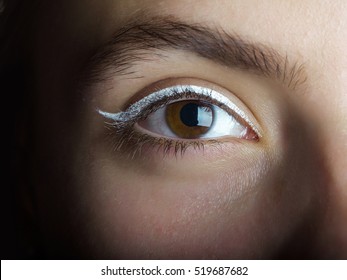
(135, 109)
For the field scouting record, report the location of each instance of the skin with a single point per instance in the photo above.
(282, 197)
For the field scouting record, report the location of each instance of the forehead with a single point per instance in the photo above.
(315, 30)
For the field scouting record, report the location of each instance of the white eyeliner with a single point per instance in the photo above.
(135, 109)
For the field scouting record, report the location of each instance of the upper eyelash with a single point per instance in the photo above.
(140, 109)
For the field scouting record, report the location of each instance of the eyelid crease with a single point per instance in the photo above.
(134, 110)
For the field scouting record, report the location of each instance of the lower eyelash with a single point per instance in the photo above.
(127, 140)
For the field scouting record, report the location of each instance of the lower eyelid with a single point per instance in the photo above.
(140, 147)
(133, 143)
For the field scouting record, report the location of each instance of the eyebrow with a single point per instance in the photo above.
(134, 41)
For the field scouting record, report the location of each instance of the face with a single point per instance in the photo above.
(191, 129)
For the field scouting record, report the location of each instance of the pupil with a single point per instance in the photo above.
(189, 114)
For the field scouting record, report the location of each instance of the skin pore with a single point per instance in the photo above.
(284, 196)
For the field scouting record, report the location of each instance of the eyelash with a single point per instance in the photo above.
(130, 141)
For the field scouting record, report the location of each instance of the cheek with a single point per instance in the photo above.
(210, 216)
(158, 219)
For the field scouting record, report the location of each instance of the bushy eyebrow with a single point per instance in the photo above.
(145, 36)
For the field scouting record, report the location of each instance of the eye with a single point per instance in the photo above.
(195, 119)
(186, 112)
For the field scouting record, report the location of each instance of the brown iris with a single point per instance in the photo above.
(189, 119)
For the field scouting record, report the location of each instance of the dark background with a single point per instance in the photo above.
(19, 235)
